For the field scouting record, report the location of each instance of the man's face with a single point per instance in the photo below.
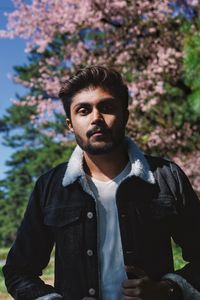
(97, 120)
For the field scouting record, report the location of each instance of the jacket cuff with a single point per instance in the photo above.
(51, 296)
(34, 291)
(188, 291)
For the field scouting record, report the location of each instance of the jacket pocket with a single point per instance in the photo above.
(66, 224)
(163, 207)
(61, 216)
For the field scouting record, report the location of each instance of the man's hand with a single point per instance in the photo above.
(140, 287)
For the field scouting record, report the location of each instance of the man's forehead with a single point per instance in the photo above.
(92, 95)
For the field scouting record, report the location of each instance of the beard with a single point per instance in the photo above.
(113, 140)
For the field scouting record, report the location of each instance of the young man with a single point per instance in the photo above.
(111, 211)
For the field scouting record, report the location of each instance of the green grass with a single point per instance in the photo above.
(3, 253)
(2, 285)
(178, 260)
(48, 273)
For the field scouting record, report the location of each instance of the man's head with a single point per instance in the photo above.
(95, 101)
(92, 77)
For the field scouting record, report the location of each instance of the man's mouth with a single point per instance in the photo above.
(96, 132)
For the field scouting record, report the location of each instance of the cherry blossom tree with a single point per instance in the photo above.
(139, 37)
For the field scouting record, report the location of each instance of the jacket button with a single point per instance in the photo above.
(92, 292)
(89, 252)
(90, 215)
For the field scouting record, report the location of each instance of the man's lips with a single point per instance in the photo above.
(96, 132)
(98, 135)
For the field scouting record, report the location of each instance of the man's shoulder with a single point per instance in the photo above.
(158, 161)
(56, 174)
(163, 165)
(166, 170)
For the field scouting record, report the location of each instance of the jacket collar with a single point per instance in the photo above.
(139, 165)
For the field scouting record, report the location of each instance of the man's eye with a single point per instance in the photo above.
(107, 108)
(82, 111)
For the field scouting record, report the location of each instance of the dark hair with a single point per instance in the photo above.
(94, 76)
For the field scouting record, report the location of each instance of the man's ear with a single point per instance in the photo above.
(69, 124)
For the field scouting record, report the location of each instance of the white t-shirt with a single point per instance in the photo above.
(110, 248)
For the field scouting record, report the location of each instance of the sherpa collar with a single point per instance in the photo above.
(139, 165)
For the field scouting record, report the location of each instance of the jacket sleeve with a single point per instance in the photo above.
(30, 253)
(186, 233)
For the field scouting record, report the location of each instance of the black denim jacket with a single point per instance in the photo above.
(149, 215)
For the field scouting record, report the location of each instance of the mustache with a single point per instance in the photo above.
(97, 128)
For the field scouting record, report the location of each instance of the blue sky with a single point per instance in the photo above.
(11, 54)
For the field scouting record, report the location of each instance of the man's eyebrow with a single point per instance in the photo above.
(107, 99)
(81, 104)
(110, 99)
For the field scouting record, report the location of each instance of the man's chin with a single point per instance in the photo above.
(99, 148)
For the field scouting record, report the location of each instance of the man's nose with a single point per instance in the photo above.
(96, 116)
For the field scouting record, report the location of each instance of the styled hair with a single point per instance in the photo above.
(93, 77)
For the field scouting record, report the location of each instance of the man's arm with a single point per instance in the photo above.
(183, 284)
(186, 234)
(30, 254)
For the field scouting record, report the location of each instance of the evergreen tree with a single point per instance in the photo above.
(36, 151)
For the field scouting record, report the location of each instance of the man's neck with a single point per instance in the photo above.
(106, 166)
